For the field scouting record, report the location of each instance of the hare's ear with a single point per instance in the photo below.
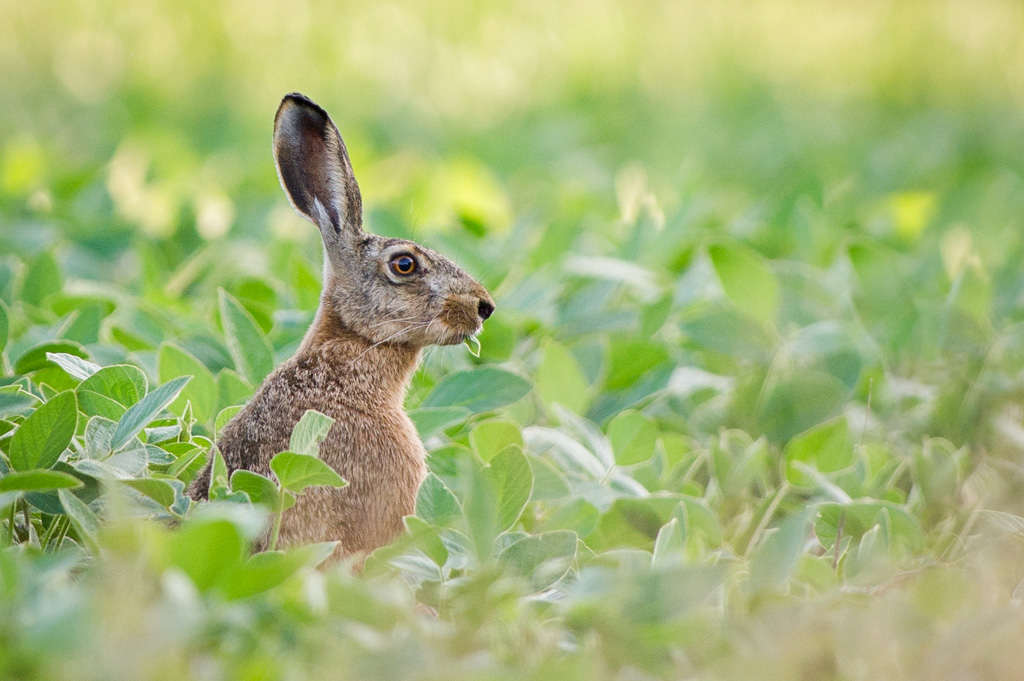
(314, 168)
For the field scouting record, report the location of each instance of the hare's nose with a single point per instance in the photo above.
(485, 308)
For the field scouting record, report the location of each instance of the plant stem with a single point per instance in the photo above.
(277, 524)
(28, 520)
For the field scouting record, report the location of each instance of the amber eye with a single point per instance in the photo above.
(403, 264)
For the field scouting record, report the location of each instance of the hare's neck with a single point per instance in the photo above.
(368, 371)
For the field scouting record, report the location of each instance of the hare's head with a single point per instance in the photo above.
(386, 290)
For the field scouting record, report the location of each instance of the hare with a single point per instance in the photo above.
(383, 301)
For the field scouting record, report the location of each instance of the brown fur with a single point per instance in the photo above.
(356, 359)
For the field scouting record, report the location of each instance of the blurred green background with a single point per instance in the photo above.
(750, 259)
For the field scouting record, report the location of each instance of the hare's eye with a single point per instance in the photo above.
(403, 264)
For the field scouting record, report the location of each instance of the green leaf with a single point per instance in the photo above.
(543, 559)
(232, 389)
(145, 410)
(31, 481)
(480, 389)
(45, 434)
(224, 417)
(774, 560)
(160, 491)
(435, 503)
(42, 279)
(296, 471)
(5, 325)
(669, 543)
(490, 437)
(747, 280)
(122, 383)
(826, 448)
(250, 350)
(560, 379)
(261, 489)
(35, 358)
(85, 522)
(75, 366)
(634, 436)
(206, 549)
(309, 432)
(432, 420)
(513, 481)
(173, 362)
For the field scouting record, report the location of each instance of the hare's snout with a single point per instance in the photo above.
(464, 315)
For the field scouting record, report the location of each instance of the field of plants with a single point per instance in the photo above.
(751, 405)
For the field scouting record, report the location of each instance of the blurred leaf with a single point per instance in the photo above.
(201, 391)
(512, 479)
(633, 435)
(251, 351)
(493, 435)
(86, 523)
(45, 434)
(160, 491)
(775, 559)
(560, 379)
(479, 390)
(37, 480)
(435, 503)
(747, 280)
(543, 559)
(431, 420)
(827, 447)
(207, 550)
(42, 279)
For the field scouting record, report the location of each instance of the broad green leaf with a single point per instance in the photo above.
(513, 481)
(145, 410)
(232, 389)
(75, 366)
(268, 569)
(224, 417)
(432, 420)
(480, 389)
(773, 561)
(634, 436)
(490, 437)
(296, 471)
(85, 522)
(122, 383)
(201, 391)
(15, 400)
(206, 549)
(543, 559)
(309, 432)
(45, 434)
(160, 491)
(560, 379)
(251, 351)
(825, 448)
(42, 279)
(435, 503)
(261, 489)
(92, 403)
(31, 481)
(669, 542)
(35, 358)
(747, 280)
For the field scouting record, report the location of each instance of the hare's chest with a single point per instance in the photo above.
(382, 443)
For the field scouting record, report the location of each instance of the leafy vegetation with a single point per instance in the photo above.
(750, 406)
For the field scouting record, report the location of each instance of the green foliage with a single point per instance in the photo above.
(749, 405)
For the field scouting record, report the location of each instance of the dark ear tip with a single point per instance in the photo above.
(303, 102)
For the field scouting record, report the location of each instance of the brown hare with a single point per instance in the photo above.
(383, 300)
